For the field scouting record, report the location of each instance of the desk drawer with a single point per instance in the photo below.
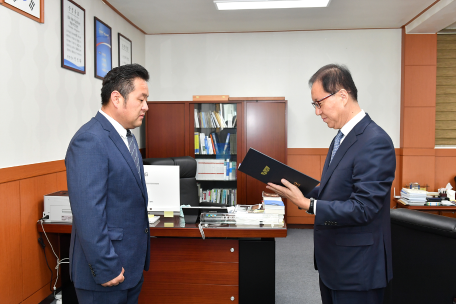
(182, 249)
(188, 293)
(191, 272)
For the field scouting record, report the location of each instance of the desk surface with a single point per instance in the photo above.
(427, 208)
(176, 227)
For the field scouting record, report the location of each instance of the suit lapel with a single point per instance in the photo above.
(120, 144)
(344, 147)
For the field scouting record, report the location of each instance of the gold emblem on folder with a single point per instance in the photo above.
(296, 184)
(265, 170)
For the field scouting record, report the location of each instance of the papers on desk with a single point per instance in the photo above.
(413, 195)
(447, 203)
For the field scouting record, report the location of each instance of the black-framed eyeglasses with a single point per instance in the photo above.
(316, 104)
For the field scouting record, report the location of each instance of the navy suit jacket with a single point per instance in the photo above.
(352, 233)
(109, 205)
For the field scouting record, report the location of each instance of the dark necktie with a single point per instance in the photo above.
(132, 146)
(337, 140)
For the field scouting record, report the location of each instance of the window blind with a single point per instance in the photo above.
(445, 115)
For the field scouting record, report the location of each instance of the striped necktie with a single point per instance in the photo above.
(132, 146)
(337, 140)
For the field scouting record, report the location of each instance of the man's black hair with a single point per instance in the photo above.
(121, 79)
(334, 77)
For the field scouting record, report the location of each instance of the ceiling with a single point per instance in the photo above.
(201, 16)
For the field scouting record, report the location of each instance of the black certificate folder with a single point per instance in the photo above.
(268, 170)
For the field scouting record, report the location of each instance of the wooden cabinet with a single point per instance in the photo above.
(261, 124)
(192, 271)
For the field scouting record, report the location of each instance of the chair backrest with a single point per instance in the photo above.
(424, 251)
(187, 173)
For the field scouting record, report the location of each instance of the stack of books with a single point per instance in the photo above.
(413, 197)
(272, 203)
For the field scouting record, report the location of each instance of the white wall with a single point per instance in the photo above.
(280, 64)
(42, 105)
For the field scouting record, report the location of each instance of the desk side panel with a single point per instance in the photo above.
(188, 293)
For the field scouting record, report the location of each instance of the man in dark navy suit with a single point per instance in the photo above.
(110, 239)
(352, 234)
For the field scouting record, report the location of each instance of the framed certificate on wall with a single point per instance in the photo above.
(103, 48)
(73, 37)
(33, 9)
(125, 52)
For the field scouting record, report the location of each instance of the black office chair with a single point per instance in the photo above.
(187, 173)
(424, 247)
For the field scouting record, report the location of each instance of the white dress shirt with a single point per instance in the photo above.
(121, 130)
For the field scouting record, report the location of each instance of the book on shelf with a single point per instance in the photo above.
(227, 142)
(202, 143)
(215, 142)
(212, 119)
(197, 145)
(214, 169)
(210, 144)
(218, 196)
(196, 117)
(233, 143)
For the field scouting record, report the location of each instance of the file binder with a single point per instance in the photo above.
(268, 170)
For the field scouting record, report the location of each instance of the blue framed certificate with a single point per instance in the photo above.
(103, 48)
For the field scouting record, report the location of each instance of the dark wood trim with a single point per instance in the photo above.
(27, 171)
(418, 152)
(121, 15)
(256, 98)
(445, 152)
(39, 20)
(285, 31)
(300, 226)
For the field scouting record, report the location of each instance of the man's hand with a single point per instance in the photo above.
(116, 281)
(290, 192)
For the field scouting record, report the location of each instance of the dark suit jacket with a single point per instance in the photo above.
(352, 224)
(109, 205)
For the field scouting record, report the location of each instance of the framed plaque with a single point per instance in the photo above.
(103, 48)
(33, 9)
(73, 37)
(125, 52)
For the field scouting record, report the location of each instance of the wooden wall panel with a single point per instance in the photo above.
(420, 49)
(419, 87)
(445, 171)
(310, 165)
(167, 132)
(10, 242)
(265, 131)
(419, 127)
(35, 271)
(419, 169)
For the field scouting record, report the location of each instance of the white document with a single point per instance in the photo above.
(162, 183)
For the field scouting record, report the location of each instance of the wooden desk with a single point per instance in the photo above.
(234, 264)
(440, 210)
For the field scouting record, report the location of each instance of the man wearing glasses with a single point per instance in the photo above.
(352, 234)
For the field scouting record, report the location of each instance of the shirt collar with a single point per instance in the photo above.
(352, 123)
(121, 130)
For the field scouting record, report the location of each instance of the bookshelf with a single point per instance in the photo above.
(215, 151)
(175, 128)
